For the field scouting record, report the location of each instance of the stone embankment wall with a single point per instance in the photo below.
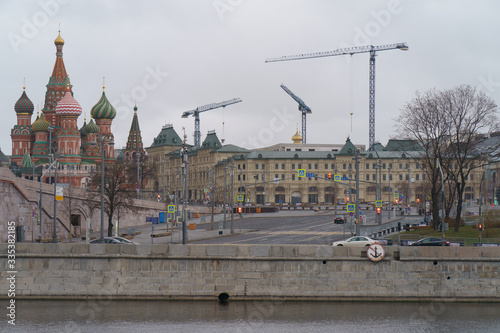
(80, 271)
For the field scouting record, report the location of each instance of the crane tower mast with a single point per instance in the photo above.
(350, 51)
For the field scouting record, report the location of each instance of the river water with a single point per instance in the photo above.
(251, 316)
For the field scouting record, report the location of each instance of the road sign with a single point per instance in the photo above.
(155, 220)
(171, 208)
(351, 207)
(149, 219)
(171, 196)
(375, 252)
(396, 195)
(351, 214)
(310, 174)
(378, 203)
(59, 193)
(240, 198)
(344, 178)
(162, 217)
(301, 172)
(337, 178)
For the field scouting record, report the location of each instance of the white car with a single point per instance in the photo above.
(355, 241)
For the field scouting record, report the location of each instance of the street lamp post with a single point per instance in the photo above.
(54, 229)
(358, 227)
(232, 198)
(50, 129)
(442, 196)
(408, 194)
(390, 191)
(164, 191)
(138, 155)
(335, 196)
(40, 202)
(225, 194)
(102, 188)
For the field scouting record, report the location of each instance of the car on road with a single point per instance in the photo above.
(113, 240)
(431, 241)
(339, 220)
(356, 241)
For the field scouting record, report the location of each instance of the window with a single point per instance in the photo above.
(244, 166)
(263, 177)
(417, 166)
(300, 166)
(256, 166)
(390, 165)
(239, 166)
(400, 166)
(344, 166)
(282, 176)
(276, 166)
(333, 166)
(256, 177)
(423, 176)
(293, 176)
(309, 166)
(374, 177)
(367, 166)
(407, 177)
(374, 165)
(367, 177)
(293, 166)
(282, 166)
(417, 177)
(390, 177)
(276, 176)
(316, 166)
(383, 177)
(263, 166)
(244, 177)
(350, 166)
(471, 176)
(326, 166)
(239, 177)
(400, 177)
(383, 165)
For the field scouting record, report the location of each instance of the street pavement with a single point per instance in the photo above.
(283, 227)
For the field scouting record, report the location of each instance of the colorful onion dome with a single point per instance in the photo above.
(40, 125)
(24, 104)
(91, 127)
(103, 109)
(297, 138)
(59, 40)
(68, 106)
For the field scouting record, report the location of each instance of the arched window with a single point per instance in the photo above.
(313, 189)
(260, 189)
(329, 189)
(371, 189)
(279, 189)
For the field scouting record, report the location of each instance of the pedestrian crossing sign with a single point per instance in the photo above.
(171, 208)
(240, 198)
(378, 203)
(336, 178)
(301, 172)
(351, 207)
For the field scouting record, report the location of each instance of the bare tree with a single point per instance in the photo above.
(470, 113)
(117, 193)
(424, 121)
(447, 124)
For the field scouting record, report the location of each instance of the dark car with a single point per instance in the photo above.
(339, 219)
(431, 241)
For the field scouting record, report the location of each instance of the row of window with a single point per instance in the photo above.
(345, 166)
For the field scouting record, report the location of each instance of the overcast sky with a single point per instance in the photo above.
(173, 56)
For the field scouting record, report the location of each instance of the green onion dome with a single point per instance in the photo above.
(40, 125)
(24, 104)
(91, 127)
(103, 109)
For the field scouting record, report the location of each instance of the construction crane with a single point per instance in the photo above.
(302, 108)
(353, 50)
(196, 113)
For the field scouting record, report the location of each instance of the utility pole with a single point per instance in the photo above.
(225, 194)
(138, 155)
(184, 195)
(335, 198)
(408, 194)
(379, 192)
(54, 231)
(356, 157)
(164, 191)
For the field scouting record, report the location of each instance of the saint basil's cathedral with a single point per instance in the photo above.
(79, 151)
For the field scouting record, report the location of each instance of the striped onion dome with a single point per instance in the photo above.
(24, 104)
(40, 125)
(68, 106)
(103, 109)
(91, 127)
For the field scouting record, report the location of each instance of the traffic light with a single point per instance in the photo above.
(159, 197)
(396, 201)
(240, 210)
(329, 176)
(418, 200)
(378, 210)
(480, 227)
(347, 199)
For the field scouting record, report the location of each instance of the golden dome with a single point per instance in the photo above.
(297, 138)
(59, 40)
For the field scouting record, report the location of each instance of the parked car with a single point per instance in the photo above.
(112, 240)
(431, 241)
(356, 241)
(339, 219)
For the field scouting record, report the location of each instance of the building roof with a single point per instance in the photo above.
(403, 145)
(348, 149)
(232, 149)
(167, 137)
(211, 141)
(68, 106)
